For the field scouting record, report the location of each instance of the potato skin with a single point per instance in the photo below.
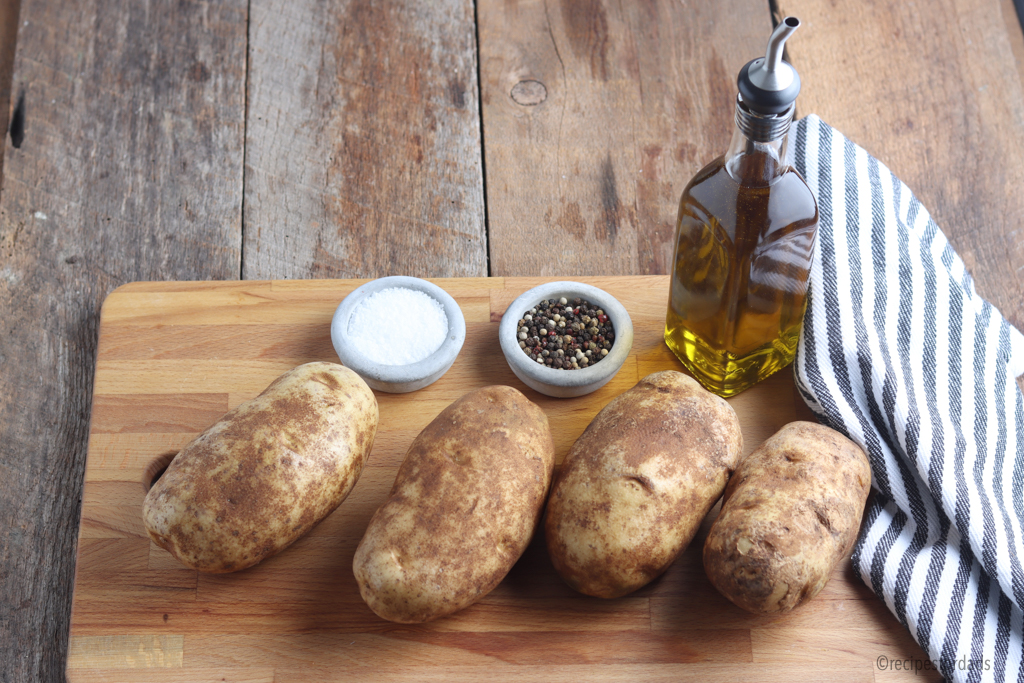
(638, 482)
(267, 472)
(790, 513)
(465, 503)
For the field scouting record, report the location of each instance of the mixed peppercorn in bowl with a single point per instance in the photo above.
(565, 338)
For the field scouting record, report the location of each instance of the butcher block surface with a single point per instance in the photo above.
(175, 356)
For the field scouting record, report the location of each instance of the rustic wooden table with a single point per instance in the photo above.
(271, 139)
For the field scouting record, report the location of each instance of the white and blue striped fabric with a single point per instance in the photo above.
(899, 353)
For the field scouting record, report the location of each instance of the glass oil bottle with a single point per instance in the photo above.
(744, 241)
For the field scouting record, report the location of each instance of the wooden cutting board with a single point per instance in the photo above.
(174, 356)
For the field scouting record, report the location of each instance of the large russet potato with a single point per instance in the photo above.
(790, 513)
(638, 482)
(267, 472)
(465, 503)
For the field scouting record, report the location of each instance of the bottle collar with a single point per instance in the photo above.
(762, 127)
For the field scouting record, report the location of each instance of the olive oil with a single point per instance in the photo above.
(739, 285)
(744, 242)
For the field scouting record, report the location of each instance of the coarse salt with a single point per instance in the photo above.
(397, 326)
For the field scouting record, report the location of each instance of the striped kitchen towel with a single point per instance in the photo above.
(899, 353)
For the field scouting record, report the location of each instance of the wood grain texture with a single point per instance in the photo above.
(130, 169)
(596, 115)
(933, 90)
(363, 150)
(1013, 18)
(8, 40)
(140, 616)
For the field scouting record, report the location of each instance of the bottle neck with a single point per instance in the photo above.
(758, 148)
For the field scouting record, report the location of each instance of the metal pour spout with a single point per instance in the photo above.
(772, 73)
(769, 85)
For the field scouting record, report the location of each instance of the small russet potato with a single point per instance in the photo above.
(267, 472)
(638, 482)
(790, 514)
(465, 503)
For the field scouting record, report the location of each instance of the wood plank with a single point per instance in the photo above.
(705, 672)
(429, 650)
(363, 155)
(9, 10)
(111, 455)
(593, 649)
(126, 652)
(596, 115)
(1012, 16)
(190, 675)
(130, 169)
(814, 645)
(170, 608)
(935, 93)
(157, 413)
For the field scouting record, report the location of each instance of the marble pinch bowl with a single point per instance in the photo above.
(565, 383)
(399, 379)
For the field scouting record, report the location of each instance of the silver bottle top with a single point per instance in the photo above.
(769, 85)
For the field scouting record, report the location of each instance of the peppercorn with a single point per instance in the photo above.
(565, 336)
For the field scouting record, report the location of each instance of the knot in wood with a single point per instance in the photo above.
(529, 93)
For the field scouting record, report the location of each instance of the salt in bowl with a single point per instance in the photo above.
(397, 379)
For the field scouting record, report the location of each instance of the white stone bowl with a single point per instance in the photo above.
(399, 379)
(565, 383)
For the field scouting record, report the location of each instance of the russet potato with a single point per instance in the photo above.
(638, 482)
(465, 503)
(267, 472)
(789, 515)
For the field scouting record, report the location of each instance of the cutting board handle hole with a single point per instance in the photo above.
(156, 468)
